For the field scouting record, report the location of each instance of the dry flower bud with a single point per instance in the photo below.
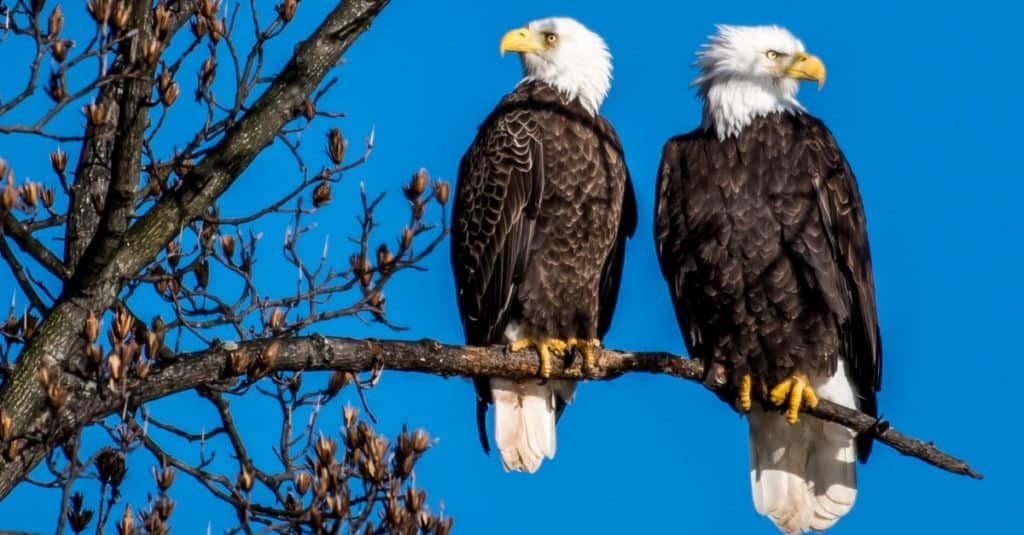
(55, 23)
(59, 49)
(209, 8)
(349, 414)
(385, 260)
(43, 376)
(121, 15)
(127, 524)
(417, 185)
(325, 449)
(30, 194)
(116, 366)
(96, 113)
(164, 508)
(337, 381)
(227, 246)
(173, 254)
(308, 109)
(295, 383)
(337, 145)
(94, 354)
(47, 195)
(202, 274)
(245, 479)
(322, 194)
(302, 481)
(56, 88)
(169, 93)
(164, 477)
(110, 467)
(78, 517)
(123, 323)
(58, 160)
(142, 370)
(216, 30)
(441, 191)
(238, 362)
(6, 426)
(286, 9)
(161, 20)
(151, 54)
(207, 73)
(92, 327)
(199, 27)
(10, 197)
(28, 325)
(99, 10)
(276, 320)
(407, 237)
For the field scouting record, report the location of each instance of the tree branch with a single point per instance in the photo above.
(428, 356)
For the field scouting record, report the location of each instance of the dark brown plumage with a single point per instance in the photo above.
(762, 240)
(542, 211)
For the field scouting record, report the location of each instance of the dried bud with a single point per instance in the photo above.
(56, 88)
(168, 89)
(407, 236)
(29, 194)
(276, 319)
(199, 28)
(302, 481)
(42, 375)
(350, 414)
(142, 370)
(6, 426)
(245, 479)
(336, 146)
(337, 381)
(99, 10)
(28, 325)
(55, 23)
(202, 274)
(417, 185)
(173, 254)
(164, 507)
(322, 194)
(47, 196)
(325, 449)
(441, 191)
(385, 260)
(420, 441)
(95, 112)
(209, 8)
(286, 9)
(59, 49)
(151, 54)
(238, 362)
(154, 343)
(78, 517)
(161, 20)
(94, 354)
(376, 300)
(207, 73)
(127, 524)
(110, 467)
(120, 15)
(164, 477)
(116, 366)
(362, 269)
(216, 30)
(92, 327)
(10, 197)
(308, 109)
(123, 323)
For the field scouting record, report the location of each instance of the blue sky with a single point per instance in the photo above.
(925, 104)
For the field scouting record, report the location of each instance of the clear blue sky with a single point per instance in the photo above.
(926, 105)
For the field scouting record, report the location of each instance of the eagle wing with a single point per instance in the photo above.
(849, 287)
(611, 272)
(497, 199)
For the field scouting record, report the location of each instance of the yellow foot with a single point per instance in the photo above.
(545, 347)
(746, 384)
(797, 390)
(586, 348)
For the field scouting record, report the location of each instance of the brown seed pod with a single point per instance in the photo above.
(55, 23)
(92, 327)
(337, 145)
(417, 185)
(441, 191)
(286, 9)
(322, 194)
(245, 479)
(407, 237)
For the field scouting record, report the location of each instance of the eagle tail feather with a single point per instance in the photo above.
(524, 421)
(803, 476)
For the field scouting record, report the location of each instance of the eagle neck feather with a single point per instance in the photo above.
(732, 103)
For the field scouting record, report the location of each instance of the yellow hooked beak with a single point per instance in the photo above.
(807, 67)
(520, 40)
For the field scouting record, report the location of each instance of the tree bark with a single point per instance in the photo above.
(58, 337)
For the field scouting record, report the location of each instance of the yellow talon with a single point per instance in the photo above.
(586, 348)
(545, 347)
(746, 384)
(795, 388)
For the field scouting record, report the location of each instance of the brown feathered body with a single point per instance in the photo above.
(542, 210)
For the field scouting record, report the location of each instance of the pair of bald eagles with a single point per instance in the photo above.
(760, 234)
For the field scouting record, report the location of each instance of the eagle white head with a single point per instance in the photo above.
(564, 53)
(751, 71)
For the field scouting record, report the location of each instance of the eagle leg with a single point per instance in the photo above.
(586, 348)
(797, 390)
(746, 384)
(545, 347)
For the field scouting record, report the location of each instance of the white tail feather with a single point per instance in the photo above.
(803, 476)
(524, 421)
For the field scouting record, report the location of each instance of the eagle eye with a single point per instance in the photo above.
(551, 39)
(771, 54)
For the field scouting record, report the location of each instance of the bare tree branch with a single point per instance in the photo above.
(428, 356)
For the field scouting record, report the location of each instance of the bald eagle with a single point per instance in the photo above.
(761, 237)
(542, 211)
